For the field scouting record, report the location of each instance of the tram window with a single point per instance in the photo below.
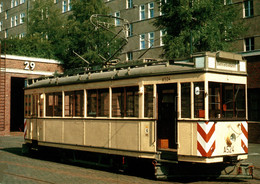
(148, 101)
(98, 103)
(240, 101)
(74, 103)
(226, 100)
(214, 100)
(27, 105)
(185, 100)
(35, 99)
(125, 102)
(54, 104)
(103, 103)
(199, 101)
(41, 104)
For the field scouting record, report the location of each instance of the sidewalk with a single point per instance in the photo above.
(254, 158)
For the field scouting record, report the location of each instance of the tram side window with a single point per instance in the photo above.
(226, 100)
(98, 103)
(54, 104)
(74, 103)
(148, 101)
(125, 102)
(199, 100)
(27, 105)
(185, 100)
(35, 101)
(41, 104)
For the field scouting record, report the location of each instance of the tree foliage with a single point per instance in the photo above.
(85, 39)
(51, 34)
(198, 25)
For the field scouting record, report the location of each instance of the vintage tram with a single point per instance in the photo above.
(170, 113)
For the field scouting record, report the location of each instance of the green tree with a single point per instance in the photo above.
(90, 42)
(45, 35)
(198, 25)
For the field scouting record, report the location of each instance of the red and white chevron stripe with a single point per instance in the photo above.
(244, 137)
(206, 139)
(25, 128)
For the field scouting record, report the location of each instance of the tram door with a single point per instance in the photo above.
(167, 116)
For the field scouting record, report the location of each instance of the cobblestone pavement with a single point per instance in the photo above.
(16, 168)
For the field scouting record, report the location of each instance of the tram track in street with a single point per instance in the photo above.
(27, 178)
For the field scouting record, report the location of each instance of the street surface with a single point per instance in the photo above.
(17, 168)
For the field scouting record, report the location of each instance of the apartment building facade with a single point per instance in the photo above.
(13, 15)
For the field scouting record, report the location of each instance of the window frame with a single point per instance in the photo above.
(220, 113)
(151, 10)
(248, 8)
(249, 44)
(124, 108)
(151, 39)
(117, 21)
(142, 41)
(64, 6)
(142, 12)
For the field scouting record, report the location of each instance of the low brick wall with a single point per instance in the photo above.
(253, 132)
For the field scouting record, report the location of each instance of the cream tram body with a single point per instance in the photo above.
(194, 110)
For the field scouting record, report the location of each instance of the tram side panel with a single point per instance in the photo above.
(112, 134)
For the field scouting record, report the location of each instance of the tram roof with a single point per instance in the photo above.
(194, 64)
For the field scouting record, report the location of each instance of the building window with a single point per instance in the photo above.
(130, 30)
(22, 16)
(12, 21)
(129, 56)
(117, 21)
(22, 35)
(6, 14)
(1, 25)
(125, 102)
(129, 4)
(16, 21)
(22, 1)
(142, 41)
(142, 12)
(12, 3)
(162, 2)
(64, 6)
(248, 8)
(16, 3)
(6, 33)
(69, 5)
(151, 10)
(162, 34)
(249, 44)
(227, 2)
(1, 7)
(151, 39)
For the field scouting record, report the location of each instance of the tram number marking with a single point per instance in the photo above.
(229, 149)
(165, 79)
(29, 65)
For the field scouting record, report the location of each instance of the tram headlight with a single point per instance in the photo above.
(231, 139)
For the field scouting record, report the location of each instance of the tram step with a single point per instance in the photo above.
(169, 155)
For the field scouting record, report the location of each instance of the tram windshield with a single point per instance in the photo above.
(227, 101)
